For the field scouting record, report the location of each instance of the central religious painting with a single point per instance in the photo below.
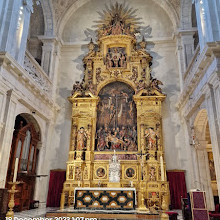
(116, 119)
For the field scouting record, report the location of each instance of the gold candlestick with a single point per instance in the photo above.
(142, 207)
(164, 207)
(62, 201)
(11, 203)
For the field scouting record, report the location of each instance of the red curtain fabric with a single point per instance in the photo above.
(57, 178)
(177, 185)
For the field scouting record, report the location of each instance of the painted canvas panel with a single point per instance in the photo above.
(116, 119)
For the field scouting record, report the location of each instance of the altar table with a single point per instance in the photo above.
(101, 198)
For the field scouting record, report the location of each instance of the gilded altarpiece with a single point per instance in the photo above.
(117, 109)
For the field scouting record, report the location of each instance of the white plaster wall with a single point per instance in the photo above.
(76, 29)
(161, 47)
(165, 69)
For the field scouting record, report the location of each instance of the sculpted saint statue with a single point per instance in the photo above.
(81, 139)
(152, 174)
(151, 137)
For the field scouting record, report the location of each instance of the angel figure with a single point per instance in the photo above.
(140, 86)
(155, 84)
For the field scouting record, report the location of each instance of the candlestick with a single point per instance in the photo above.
(142, 207)
(11, 204)
(162, 168)
(15, 170)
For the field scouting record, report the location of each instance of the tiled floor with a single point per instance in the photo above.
(34, 213)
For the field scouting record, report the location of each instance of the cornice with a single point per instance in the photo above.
(182, 32)
(150, 41)
(192, 79)
(9, 64)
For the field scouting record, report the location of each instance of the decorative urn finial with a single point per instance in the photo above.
(143, 43)
(91, 46)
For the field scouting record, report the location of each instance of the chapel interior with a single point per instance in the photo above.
(110, 109)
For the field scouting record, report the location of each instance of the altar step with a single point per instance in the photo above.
(102, 216)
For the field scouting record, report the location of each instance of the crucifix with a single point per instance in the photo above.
(142, 155)
(115, 109)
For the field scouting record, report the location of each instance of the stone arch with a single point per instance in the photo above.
(165, 5)
(168, 7)
(30, 118)
(112, 80)
(200, 124)
(186, 14)
(202, 163)
(25, 148)
(49, 20)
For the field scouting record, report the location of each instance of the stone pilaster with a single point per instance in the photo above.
(192, 180)
(7, 134)
(214, 130)
(22, 37)
(195, 167)
(15, 18)
(207, 14)
(204, 173)
(44, 164)
(3, 96)
(49, 50)
(213, 16)
(50, 57)
(185, 50)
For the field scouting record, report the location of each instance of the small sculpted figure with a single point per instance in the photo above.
(152, 174)
(81, 139)
(140, 86)
(151, 137)
(92, 88)
(77, 87)
(155, 84)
